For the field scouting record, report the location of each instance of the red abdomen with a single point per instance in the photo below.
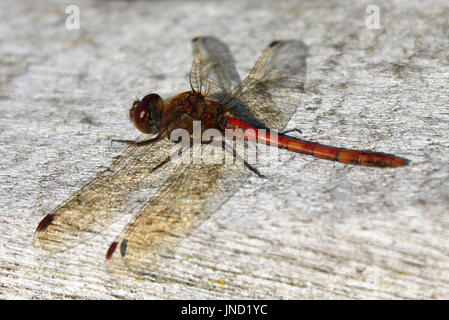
(364, 158)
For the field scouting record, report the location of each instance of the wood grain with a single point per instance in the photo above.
(313, 229)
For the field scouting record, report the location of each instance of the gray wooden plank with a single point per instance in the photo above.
(313, 229)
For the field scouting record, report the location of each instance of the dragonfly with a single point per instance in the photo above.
(188, 193)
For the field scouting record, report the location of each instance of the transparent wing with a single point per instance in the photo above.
(213, 70)
(121, 189)
(190, 195)
(273, 89)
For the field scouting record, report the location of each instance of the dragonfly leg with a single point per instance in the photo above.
(253, 169)
(167, 160)
(227, 147)
(138, 144)
(291, 130)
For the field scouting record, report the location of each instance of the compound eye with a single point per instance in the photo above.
(140, 115)
(146, 113)
(131, 111)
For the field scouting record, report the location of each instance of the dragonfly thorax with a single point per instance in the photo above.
(187, 107)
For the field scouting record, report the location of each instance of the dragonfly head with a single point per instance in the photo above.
(146, 113)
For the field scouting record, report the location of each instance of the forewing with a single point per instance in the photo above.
(121, 189)
(273, 89)
(213, 70)
(189, 196)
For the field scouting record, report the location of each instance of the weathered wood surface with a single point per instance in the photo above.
(313, 228)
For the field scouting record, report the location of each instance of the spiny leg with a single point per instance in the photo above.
(291, 130)
(176, 153)
(238, 158)
(140, 143)
(167, 160)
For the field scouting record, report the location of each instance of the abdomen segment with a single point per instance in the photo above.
(364, 158)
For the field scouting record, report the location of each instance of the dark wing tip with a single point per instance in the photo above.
(111, 250)
(274, 43)
(123, 247)
(45, 222)
(204, 38)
